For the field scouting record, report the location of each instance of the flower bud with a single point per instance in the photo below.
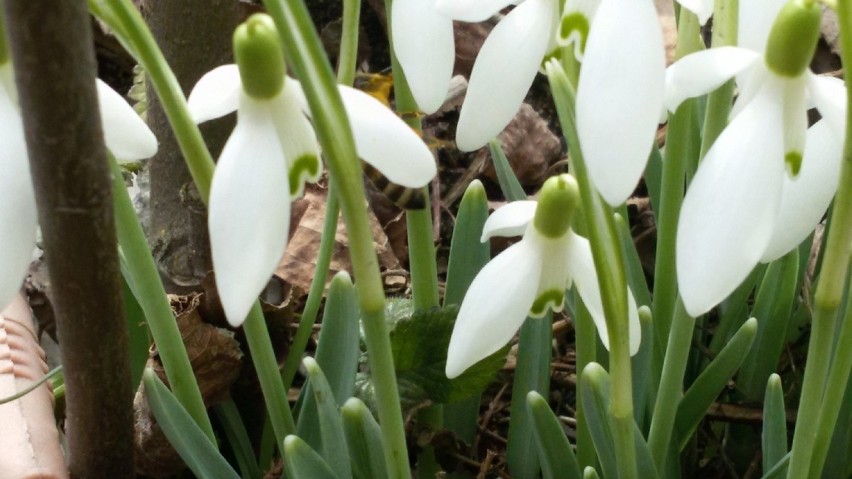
(556, 203)
(259, 56)
(793, 38)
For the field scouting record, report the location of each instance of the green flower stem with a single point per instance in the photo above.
(303, 48)
(345, 76)
(671, 385)
(835, 388)
(719, 101)
(829, 290)
(4, 48)
(608, 258)
(142, 44)
(348, 56)
(271, 383)
(312, 304)
(586, 344)
(145, 279)
(671, 196)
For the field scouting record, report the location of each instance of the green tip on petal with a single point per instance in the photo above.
(259, 56)
(550, 299)
(305, 168)
(556, 203)
(793, 38)
(578, 23)
(793, 160)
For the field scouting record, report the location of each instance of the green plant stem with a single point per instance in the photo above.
(671, 195)
(829, 290)
(312, 304)
(348, 56)
(304, 50)
(4, 49)
(608, 258)
(145, 278)
(148, 54)
(835, 388)
(271, 383)
(671, 385)
(586, 344)
(719, 102)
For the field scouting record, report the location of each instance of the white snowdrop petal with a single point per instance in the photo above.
(494, 307)
(805, 198)
(216, 94)
(504, 71)
(509, 220)
(249, 215)
(585, 278)
(416, 23)
(624, 55)
(755, 21)
(829, 96)
(471, 10)
(729, 210)
(382, 138)
(297, 138)
(18, 213)
(577, 17)
(703, 9)
(702, 72)
(125, 134)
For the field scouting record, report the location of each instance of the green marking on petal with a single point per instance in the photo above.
(793, 38)
(259, 56)
(305, 168)
(575, 22)
(551, 298)
(556, 203)
(793, 160)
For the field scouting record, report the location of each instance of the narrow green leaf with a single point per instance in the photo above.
(773, 309)
(302, 462)
(779, 470)
(364, 439)
(512, 189)
(774, 423)
(139, 341)
(337, 355)
(199, 454)
(735, 310)
(712, 380)
(555, 452)
(532, 373)
(238, 439)
(333, 441)
(594, 392)
(590, 473)
(643, 379)
(467, 257)
(654, 179)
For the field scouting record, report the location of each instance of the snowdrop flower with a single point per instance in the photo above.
(125, 134)
(415, 23)
(741, 207)
(271, 153)
(529, 277)
(620, 42)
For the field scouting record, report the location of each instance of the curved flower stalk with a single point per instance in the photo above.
(620, 42)
(529, 277)
(415, 23)
(271, 153)
(125, 135)
(741, 207)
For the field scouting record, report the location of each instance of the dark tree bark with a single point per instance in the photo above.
(54, 62)
(195, 36)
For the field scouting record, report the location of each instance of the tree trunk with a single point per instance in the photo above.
(54, 60)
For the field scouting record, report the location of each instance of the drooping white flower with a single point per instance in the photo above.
(621, 45)
(425, 47)
(742, 208)
(529, 278)
(125, 134)
(271, 153)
